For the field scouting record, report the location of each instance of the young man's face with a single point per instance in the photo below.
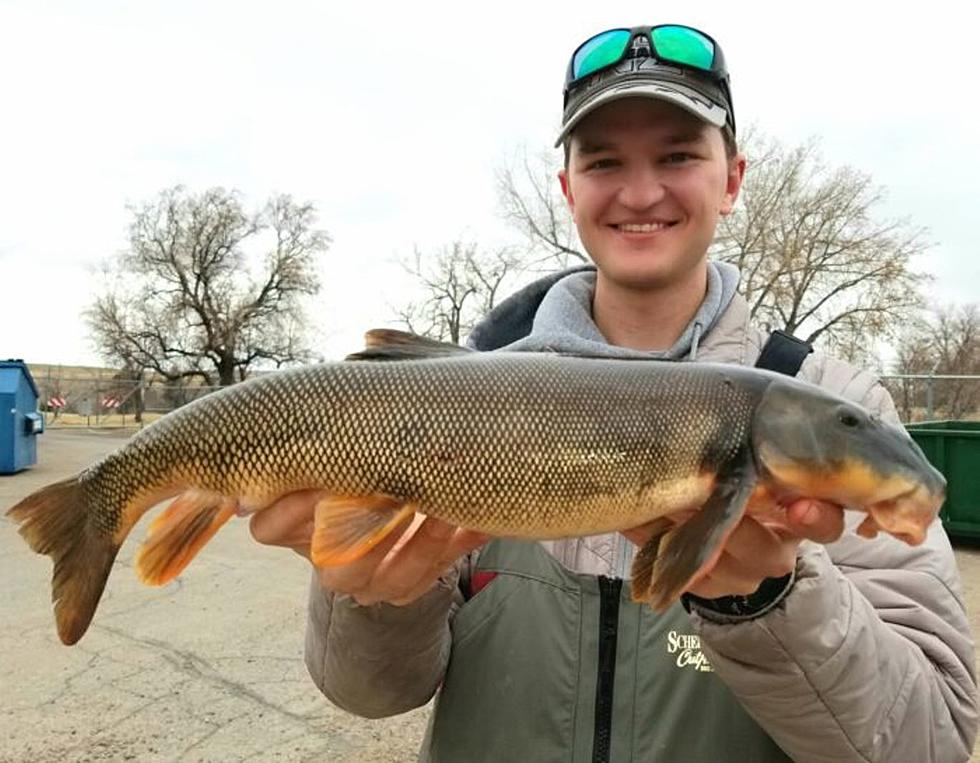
(646, 182)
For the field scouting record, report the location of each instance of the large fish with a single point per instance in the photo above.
(512, 444)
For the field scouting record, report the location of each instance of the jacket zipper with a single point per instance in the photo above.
(609, 592)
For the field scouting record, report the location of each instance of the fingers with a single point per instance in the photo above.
(399, 569)
(288, 522)
(753, 552)
(413, 567)
(465, 541)
(641, 535)
(355, 577)
(815, 520)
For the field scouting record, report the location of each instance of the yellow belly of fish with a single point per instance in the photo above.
(557, 517)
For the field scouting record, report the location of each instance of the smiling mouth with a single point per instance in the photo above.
(641, 227)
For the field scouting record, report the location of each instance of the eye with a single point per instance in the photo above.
(678, 157)
(601, 164)
(848, 419)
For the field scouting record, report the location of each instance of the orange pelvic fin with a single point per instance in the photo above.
(183, 529)
(349, 527)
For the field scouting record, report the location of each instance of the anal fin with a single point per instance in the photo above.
(348, 527)
(673, 561)
(177, 534)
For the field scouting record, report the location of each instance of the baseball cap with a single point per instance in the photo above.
(672, 63)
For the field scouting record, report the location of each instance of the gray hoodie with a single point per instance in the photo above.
(554, 314)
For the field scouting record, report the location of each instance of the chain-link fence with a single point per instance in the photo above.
(100, 401)
(932, 397)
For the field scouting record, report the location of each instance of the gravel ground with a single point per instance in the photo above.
(174, 673)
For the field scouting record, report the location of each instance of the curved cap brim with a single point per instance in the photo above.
(687, 98)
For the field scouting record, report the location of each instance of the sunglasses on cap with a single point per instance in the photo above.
(671, 44)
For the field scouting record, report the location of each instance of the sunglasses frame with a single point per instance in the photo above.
(717, 72)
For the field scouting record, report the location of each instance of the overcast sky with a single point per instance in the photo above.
(391, 117)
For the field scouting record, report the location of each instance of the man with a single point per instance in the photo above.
(857, 650)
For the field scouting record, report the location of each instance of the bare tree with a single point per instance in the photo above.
(946, 342)
(129, 391)
(530, 199)
(459, 284)
(815, 258)
(187, 298)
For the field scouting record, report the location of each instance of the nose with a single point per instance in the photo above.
(642, 187)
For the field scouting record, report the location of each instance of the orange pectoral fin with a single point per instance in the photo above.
(349, 527)
(183, 529)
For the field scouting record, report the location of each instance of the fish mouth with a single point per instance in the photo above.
(899, 504)
(907, 515)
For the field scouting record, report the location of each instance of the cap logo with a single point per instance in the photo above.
(640, 47)
(643, 63)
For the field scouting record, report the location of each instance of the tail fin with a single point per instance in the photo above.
(56, 520)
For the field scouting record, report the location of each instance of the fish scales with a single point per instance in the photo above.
(510, 444)
(546, 444)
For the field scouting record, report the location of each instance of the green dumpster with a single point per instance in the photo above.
(953, 447)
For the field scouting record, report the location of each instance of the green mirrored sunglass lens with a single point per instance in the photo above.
(601, 50)
(684, 46)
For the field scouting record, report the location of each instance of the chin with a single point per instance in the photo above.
(650, 271)
(639, 276)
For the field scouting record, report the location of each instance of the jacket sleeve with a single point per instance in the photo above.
(380, 660)
(868, 658)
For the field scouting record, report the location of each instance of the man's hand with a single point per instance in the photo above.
(398, 570)
(756, 551)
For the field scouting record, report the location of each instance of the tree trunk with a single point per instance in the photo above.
(226, 371)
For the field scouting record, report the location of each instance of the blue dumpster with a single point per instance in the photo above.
(20, 422)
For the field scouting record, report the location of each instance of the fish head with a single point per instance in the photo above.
(809, 443)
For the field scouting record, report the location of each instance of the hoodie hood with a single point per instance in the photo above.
(554, 314)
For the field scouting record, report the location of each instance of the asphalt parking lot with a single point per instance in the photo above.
(207, 668)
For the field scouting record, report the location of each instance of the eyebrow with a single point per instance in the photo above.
(587, 147)
(688, 136)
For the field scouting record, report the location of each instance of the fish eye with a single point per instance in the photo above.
(848, 419)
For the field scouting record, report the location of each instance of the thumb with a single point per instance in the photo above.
(818, 521)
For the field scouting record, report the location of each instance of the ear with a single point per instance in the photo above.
(733, 183)
(566, 189)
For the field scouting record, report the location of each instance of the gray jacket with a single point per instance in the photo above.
(868, 658)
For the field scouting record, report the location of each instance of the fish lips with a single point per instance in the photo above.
(906, 516)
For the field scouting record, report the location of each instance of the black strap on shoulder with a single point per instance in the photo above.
(783, 353)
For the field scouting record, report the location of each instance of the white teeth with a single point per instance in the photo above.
(641, 227)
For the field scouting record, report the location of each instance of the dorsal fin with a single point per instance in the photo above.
(392, 344)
